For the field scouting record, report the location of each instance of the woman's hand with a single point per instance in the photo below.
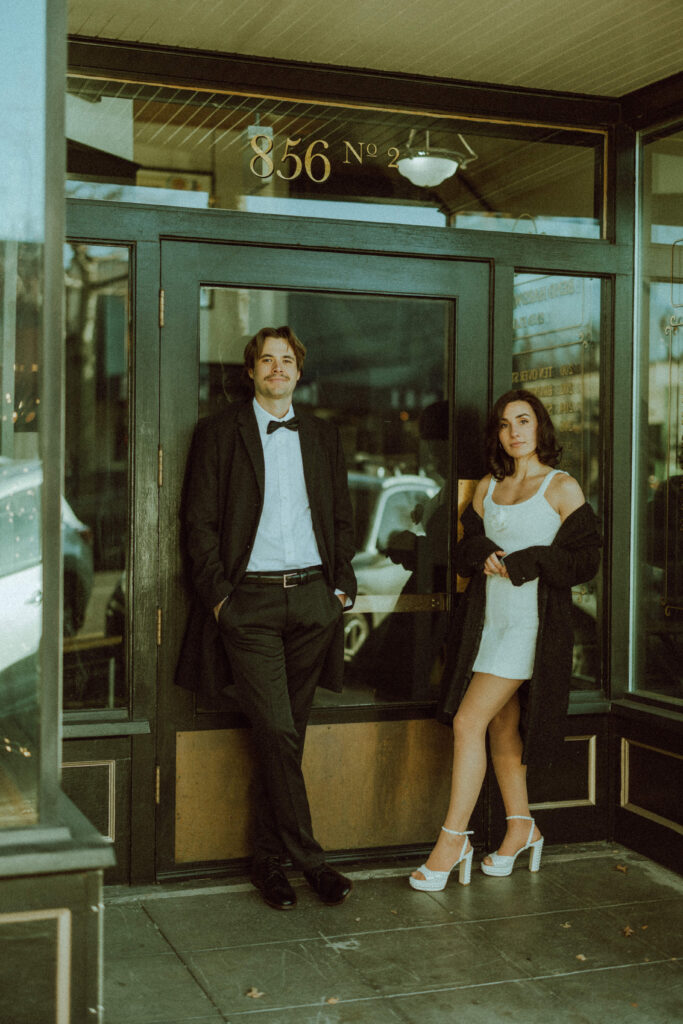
(493, 565)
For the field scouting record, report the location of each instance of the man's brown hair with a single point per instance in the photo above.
(254, 348)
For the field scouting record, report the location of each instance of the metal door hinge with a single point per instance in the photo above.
(158, 627)
(162, 306)
(160, 466)
(157, 785)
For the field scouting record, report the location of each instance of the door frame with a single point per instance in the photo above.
(186, 266)
(143, 227)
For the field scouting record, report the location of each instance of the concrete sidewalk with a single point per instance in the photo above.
(596, 936)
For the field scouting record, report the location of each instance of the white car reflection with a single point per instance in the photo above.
(21, 577)
(383, 504)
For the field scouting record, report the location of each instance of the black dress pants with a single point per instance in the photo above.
(276, 639)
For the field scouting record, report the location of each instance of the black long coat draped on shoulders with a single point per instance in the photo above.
(572, 558)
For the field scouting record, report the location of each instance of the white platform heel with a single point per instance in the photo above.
(435, 881)
(502, 865)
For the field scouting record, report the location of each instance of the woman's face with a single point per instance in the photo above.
(517, 430)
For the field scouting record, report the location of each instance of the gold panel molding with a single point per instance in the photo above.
(370, 784)
(588, 799)
(626, 801)
(62, 917)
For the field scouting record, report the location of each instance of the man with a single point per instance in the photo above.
(270, 538)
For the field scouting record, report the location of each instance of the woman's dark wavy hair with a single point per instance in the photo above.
(547, 448)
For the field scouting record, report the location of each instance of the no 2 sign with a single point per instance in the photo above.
(314, 162)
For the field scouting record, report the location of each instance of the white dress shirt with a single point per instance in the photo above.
(284, 539)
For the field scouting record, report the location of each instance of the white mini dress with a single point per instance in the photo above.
(508, 641)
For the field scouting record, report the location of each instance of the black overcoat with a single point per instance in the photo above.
(221, 511)
(572, 558)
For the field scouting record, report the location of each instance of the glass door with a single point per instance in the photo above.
(398, 359)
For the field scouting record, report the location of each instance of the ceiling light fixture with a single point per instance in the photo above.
(427, 167)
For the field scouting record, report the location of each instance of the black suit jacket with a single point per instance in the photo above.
(223, 503)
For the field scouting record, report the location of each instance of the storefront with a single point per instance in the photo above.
(420, 299)
(433, 245)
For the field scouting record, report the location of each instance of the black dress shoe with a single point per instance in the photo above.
(331, 887)
(271, 881)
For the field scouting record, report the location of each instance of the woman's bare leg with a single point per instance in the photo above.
(485, 697)
(506, 754)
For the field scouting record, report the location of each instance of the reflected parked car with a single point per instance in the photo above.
(21, 570)
(383, 505)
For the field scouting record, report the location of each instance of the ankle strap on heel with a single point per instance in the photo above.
(523, 817)
(452, 833)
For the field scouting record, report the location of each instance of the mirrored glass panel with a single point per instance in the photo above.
(657, 663)
(21, 567)
(377, 368)
(556, 355)
(95, 506)
(157, 144)
(28, 485)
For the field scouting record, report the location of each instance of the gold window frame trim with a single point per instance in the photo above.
(111, 790)
(590, 799)
(376, 108)
(625, 801)
(62, 916)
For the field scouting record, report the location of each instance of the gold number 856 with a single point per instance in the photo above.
(298, 165)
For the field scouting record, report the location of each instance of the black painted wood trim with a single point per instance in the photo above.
(95, 729)
(298, 80)
(136, 222)
(654, 103)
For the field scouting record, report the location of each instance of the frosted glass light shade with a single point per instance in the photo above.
(427, 171)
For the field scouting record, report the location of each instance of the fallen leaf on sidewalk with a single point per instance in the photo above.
(621, 867)
(567, 924)
(580, 956)
(627, 931)
(254, 993)
(332, 1000)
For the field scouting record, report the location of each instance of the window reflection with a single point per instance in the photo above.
(95, 532)
(377, 368)
(556, 355)
(21, 568)
(133, 142)
(658, 593)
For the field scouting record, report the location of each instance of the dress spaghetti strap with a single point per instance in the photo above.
(492, 484)
(553, 473)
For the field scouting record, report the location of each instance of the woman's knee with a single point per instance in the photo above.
(467, 726)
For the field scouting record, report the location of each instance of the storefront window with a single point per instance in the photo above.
(556, 355)
(154, 144)
(657, 591)
(22, 429)
(95, 508)
(378, 368)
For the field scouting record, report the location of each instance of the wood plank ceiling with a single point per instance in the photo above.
(606, 48)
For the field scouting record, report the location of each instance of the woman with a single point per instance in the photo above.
(529, 536)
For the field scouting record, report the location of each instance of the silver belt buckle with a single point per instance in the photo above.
(286, 576)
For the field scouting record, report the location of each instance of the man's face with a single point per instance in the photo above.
(275, 373)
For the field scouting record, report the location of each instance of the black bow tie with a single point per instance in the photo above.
(292, 424)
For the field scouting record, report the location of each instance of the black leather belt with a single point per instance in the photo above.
(295, 578)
